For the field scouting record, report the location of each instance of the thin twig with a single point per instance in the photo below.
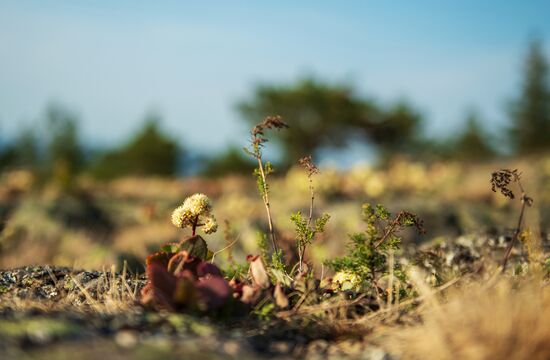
(390, 230)
(313, 309)
(525, 201)
(265, 196)
(225, 248)
(516, 234)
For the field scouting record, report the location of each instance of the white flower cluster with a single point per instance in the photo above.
(346, 280)
(210, 225)
(196, 209)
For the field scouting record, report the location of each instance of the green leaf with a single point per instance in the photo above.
(195, 246)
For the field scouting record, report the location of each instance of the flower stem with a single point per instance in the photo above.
(195, 222)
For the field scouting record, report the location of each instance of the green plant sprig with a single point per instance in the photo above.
(262, 172)
(305, 233)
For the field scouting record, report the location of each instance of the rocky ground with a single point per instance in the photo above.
(57, 312)
(50, 313)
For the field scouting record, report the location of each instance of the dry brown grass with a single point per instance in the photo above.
(503, 320)
(110, 293)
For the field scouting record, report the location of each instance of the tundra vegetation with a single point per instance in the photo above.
(413, 260)
(376, 291)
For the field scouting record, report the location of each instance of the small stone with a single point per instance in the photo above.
(126, 339)
(232, 347)
(376, 353)
(280, 347)
(350, 347)
(316, 350)
(41, 337)
(317, 347)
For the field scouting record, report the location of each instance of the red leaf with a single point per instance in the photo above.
(214, 292)
(206, 268)
(159, 292)
(160, 258)
(177, 261)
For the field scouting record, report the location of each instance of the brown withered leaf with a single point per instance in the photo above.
(281, 300)
(250, 294)
(258, 272)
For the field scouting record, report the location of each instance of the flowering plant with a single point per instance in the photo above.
(195, 211)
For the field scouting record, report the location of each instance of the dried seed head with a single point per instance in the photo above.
(308, 164)
(410, 219)
(501, 180)
(270, 122)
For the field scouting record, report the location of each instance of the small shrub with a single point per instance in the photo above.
(366, 261)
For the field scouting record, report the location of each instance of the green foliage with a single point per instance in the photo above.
(278, 261)
(23, 152)
(195, 246)
(261, 179)
(263, 247)
(397, 130)
(368, 251)
(305, 232)
(149, 152)
(472, 143)
(265, 311)
(231, 161)
(323, 115)
(531, 111)
(236, 271)
(261, 173)
(65, 154)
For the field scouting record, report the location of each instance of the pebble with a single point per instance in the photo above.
(126, 339)
(231, 347)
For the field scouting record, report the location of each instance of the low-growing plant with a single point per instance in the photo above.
(179, 275)
(182, 276)
(305, 230)
(367, 258)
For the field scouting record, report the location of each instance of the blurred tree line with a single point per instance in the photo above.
(53, 150)
(321, 115)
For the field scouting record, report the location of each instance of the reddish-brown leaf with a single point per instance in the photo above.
(205, 268)
(214, 292)
(160, 258)
(159, 292)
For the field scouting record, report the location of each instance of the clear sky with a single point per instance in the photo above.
(112, 61)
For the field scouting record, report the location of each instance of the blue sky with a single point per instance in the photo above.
(113, 61)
